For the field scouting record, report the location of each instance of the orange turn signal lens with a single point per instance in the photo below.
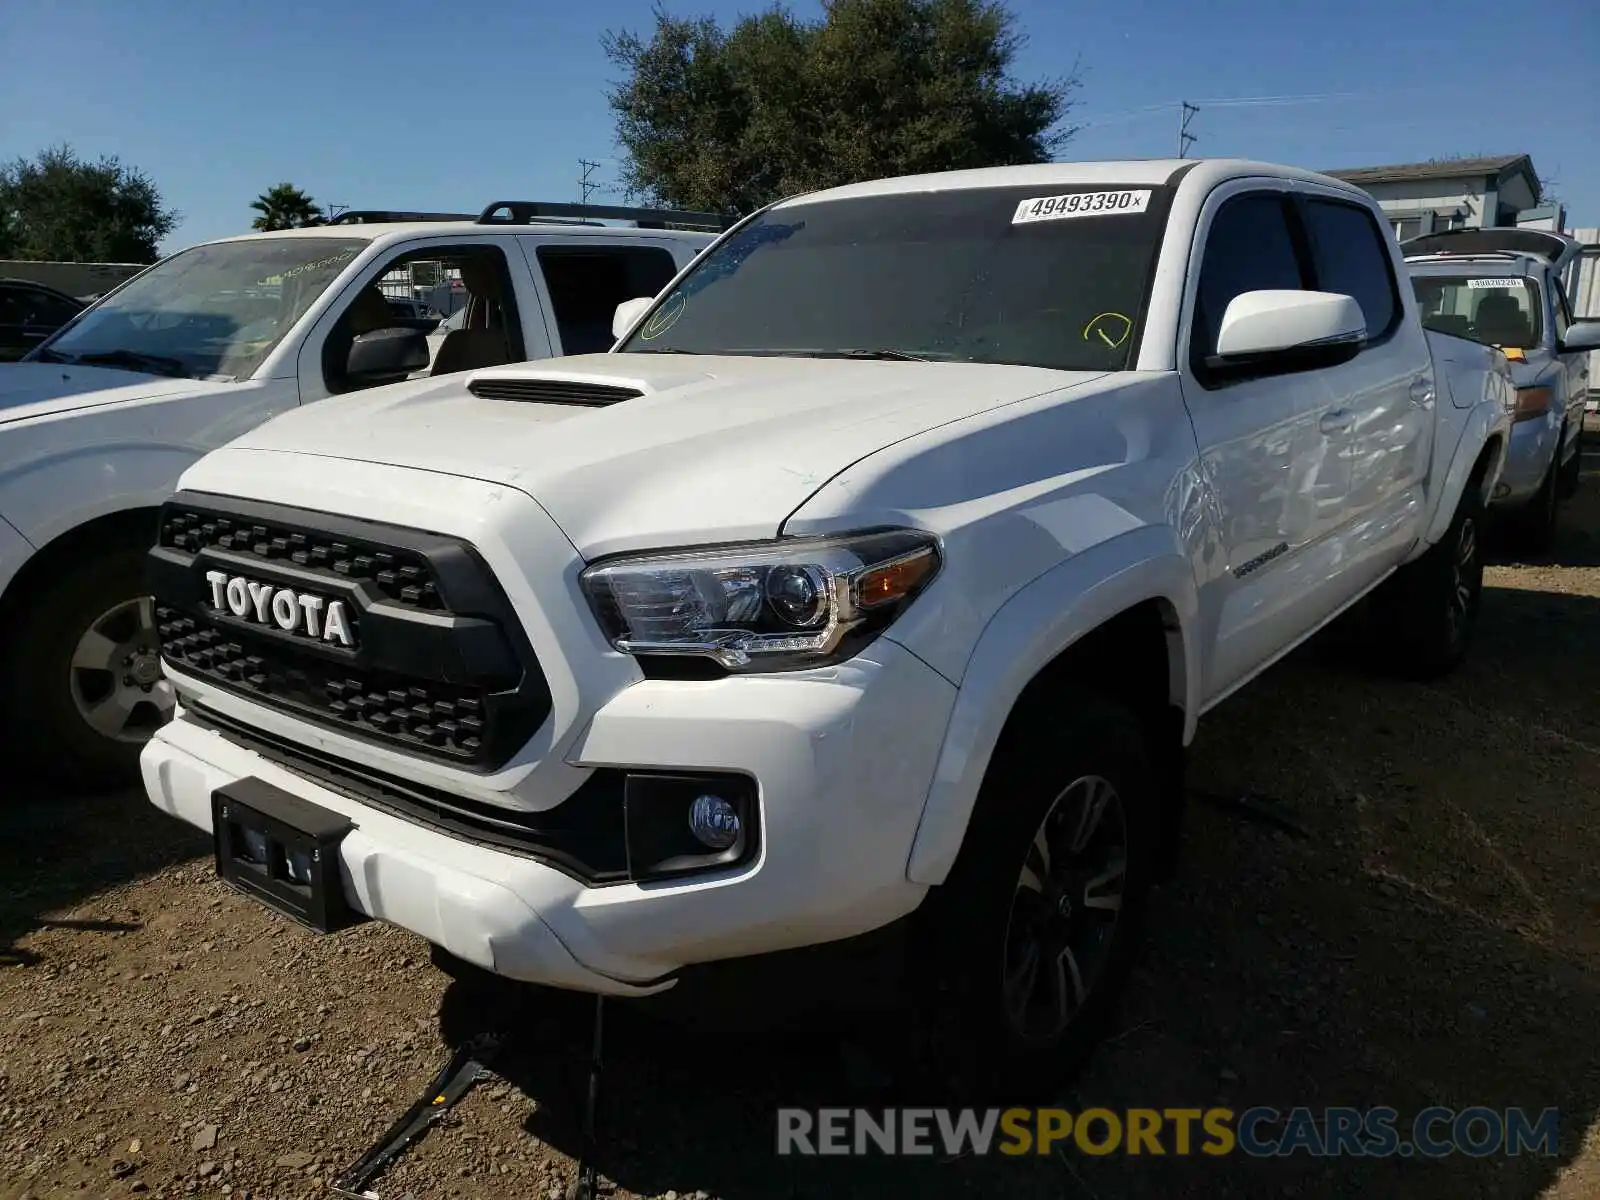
(1532, 403)
(895, 580)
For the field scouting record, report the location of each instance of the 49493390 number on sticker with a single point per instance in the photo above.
(1081, 204)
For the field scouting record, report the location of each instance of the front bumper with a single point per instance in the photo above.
(842, 759)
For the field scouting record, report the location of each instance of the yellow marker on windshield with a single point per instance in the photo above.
(1515, 353)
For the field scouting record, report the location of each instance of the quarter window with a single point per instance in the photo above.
(1353, 258)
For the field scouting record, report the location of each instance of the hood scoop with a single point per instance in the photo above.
(526, 390)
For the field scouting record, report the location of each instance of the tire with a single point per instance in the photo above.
(988, 922)
(85, 690)
(1427, 612)
(1533, 526)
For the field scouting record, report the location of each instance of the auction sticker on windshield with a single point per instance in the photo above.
(1081, 204)
(1498, 281)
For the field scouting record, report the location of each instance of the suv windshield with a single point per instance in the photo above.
(1497, 310)
(1047, 277)
(207, 311)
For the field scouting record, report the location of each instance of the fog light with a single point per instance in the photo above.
(714, 821)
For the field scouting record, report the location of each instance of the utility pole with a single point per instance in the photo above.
(1185, 138)
(588, 185)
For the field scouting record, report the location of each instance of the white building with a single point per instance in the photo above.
(1456, 193)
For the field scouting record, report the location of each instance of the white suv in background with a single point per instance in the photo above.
(99, 420)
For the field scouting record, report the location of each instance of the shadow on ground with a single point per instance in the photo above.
(56, 851)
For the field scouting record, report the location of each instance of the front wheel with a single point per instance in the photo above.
(86, 690)
(1040, 920)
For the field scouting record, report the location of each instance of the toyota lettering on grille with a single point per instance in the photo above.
(291, 611)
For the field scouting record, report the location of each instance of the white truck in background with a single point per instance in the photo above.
(99, 420)
(875, 580)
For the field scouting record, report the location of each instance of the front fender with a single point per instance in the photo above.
(1034, 626)
(48, 496)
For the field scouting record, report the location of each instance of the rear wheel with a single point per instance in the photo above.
(1428, 611)
(1040, 920)
(86, 689)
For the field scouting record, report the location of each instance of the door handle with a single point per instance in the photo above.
(1421, 391)
(1336, 420)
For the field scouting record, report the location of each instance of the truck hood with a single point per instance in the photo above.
(37, 389)
(714, 448)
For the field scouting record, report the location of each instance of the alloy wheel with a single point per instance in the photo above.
(116, 679)
(1466, 575)
(1065, 909)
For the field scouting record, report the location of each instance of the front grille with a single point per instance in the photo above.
(436, 718)
(439, 666)
(400, 575)
(551, 391)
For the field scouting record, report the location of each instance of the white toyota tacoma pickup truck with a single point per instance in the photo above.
(875, 578)
(99, 421)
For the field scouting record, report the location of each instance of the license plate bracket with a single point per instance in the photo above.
(283, 852)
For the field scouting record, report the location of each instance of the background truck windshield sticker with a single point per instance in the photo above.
(1505, 282)
(1081, 204)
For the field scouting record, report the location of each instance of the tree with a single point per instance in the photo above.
(285, 207)
(59, 208)
(728, 121)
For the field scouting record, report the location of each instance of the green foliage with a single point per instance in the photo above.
(730, 120)
(58, 208)
(285, 207)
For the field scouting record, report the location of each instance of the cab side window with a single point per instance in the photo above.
(489, 334)
(1250, 246)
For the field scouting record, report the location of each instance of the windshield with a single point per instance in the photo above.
(1500, 310)
(207, 311)
(1037, 276)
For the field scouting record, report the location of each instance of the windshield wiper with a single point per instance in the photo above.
(134, 360)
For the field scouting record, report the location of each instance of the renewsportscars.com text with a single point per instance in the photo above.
(1258, 1132)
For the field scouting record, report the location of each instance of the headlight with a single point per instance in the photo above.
(779, 605)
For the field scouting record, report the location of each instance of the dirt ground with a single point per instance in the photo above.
(1434, 940)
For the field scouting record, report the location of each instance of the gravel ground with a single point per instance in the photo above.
(1434, 940)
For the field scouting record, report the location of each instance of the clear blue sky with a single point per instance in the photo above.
(444, 105)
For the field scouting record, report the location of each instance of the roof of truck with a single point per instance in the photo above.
(1131, 172)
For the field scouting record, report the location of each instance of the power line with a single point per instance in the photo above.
(588, 185)
(1185, 138)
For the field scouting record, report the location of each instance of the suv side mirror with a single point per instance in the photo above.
(386, 354)
(1581, 335)
(1290, 330)
(628, 313)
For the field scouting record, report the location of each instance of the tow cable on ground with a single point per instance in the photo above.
(467, 1065)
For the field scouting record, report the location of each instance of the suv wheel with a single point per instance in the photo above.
(87, 690)
(1428, 610)
(1039, 922)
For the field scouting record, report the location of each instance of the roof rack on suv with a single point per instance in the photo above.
(524, 212)
(378, 216)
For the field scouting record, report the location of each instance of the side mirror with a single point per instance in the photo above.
(628, 314)
(1291, 330)
(386, 354)
(1581, 335)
